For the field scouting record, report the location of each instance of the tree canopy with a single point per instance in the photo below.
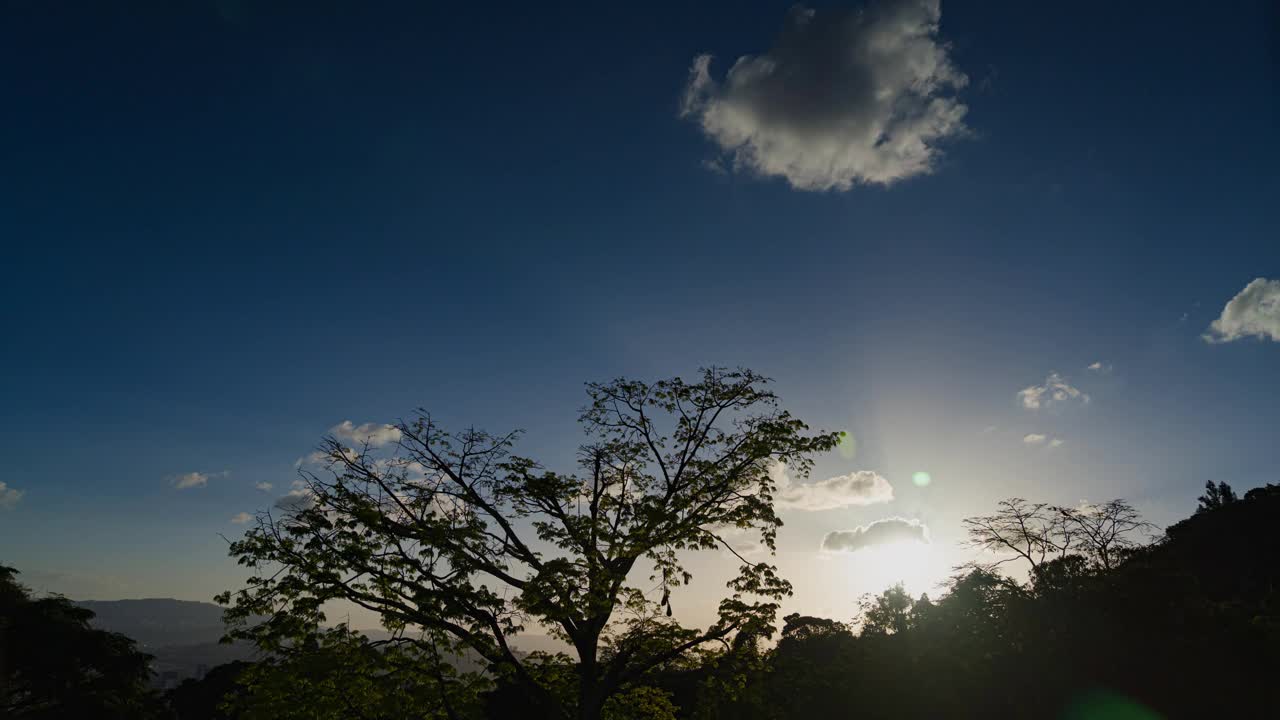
(53, 664)
(457, 542)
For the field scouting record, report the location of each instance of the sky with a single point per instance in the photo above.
(1029, 249)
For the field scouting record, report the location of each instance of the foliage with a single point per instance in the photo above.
(216, 696)
(1153, 630)
(892, 611)
(337, 674)
(53, 664)
(454, 534)
(1215, 496)
(1185, 627)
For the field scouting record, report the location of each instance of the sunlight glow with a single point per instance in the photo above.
(918, 566)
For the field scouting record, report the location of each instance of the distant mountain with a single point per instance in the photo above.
(183, 635)
(159, 622)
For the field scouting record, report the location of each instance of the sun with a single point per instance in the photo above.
(918, 566)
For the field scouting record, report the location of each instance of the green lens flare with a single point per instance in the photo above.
(921, 479)
(848, 445)
(1104, 705)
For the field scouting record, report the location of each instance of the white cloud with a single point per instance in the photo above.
(190, 480)
(1034, 439)
(241, 518)
(263, 486)
(843, 98)
(880, 532)
(1253, 312)
(1099, 367)
(1055, 390)
(857, 488)
(9, 496)
(299, 497)
(373, 434)
(1056, 442)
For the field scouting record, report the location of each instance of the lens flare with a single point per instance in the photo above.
(1103, 705)
(848, 445)
(921, 479)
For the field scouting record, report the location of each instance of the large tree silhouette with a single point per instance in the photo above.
(454, 535)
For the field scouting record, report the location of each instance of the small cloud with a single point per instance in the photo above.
(241, 518)
(9, 496)
(1040, 439)
(321, 458)
(371, 434)
(190, 480)
(880, 532)
(1253, 312)
(263, 486)
(715, 165)
(1100, 367)
(845, 97)
(1055, 390)
(299, 497)
(743, 541)
(857, 488)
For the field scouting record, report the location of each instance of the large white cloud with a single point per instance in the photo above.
(1054, 390)
(843, 98)
(857, 488)
(9, 496)
(372, 434)
(1253, 312)
(880, 532)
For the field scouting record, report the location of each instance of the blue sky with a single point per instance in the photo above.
(228, 228)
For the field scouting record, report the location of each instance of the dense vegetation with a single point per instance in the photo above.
(1186, 626)
(53, 665)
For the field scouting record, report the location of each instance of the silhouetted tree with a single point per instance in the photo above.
(892, 611)
(1034, 532)
(1039, 532)
(338, 674)
(1101, 533)
(455, 535)
(216, 696)
(1216, 496)
(53, 664)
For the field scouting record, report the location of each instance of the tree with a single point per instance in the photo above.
(1102, 533)
(54, 665)
(453, 534)
(1038, 532)
(888, 613)
(1031, 531)
(341, 674)
(1215, 496)
(216, 696)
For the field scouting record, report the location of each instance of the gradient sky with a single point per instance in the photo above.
(228, 227)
